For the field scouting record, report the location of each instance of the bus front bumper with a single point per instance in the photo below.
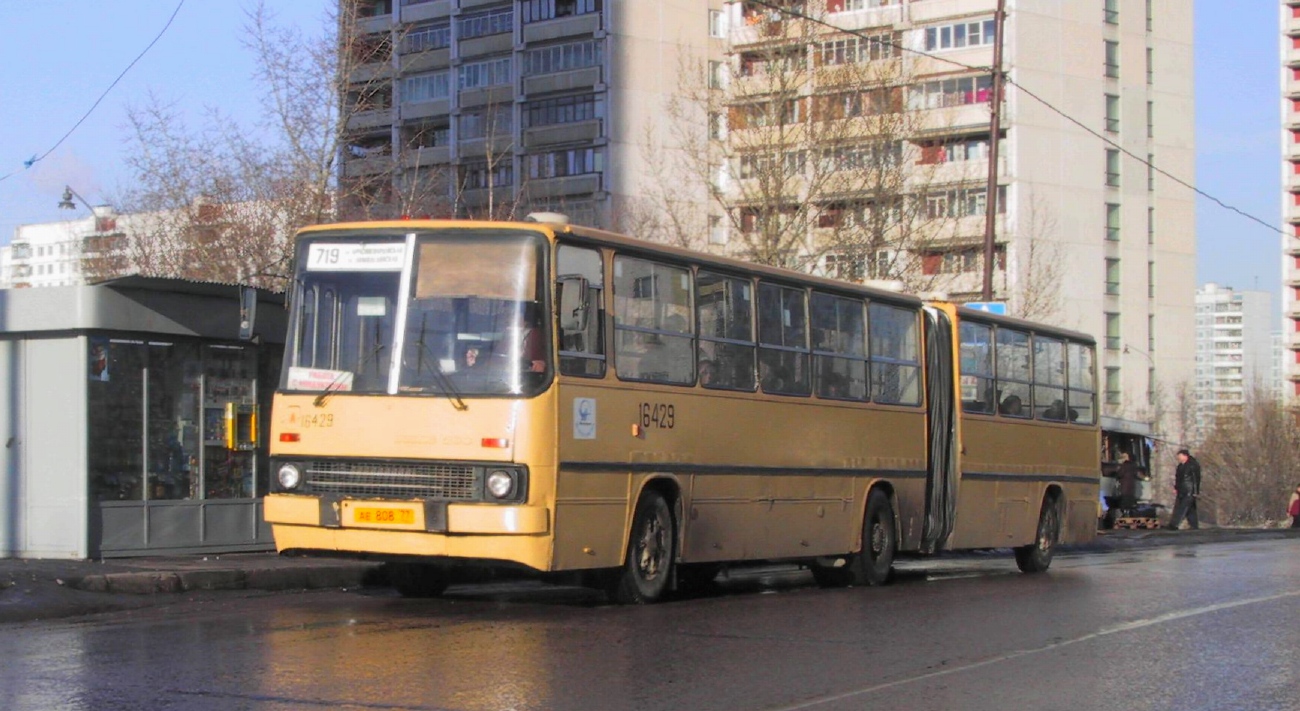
(472, 531)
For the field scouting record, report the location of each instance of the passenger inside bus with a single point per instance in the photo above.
(1011, 405)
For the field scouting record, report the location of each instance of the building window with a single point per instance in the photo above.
(1111, 12)
(482, 124)
(961, 91)
(1151, 171)
(426, 87)
(1112, 167)
(853, 50)
(717, 75)
(427, 37)
(963, 202)
(1112, 221)
(1151, 66)
(1112, 386)
(717, 24)
(1150, 15)
(478, 175)
(1151, 119)
(559, 164)
(564, 57)
(717, 126)
(1112, 277)
(1151, 334)
(1112, 113)
(1151, 280)
(1151, 225)
(539, 10)
(855, 5)
(962, 34)
(492, 22)
(1112, 59)
(491, 72)
(953, 151)
(1112, 331)
(1151, 386)
(565, 109)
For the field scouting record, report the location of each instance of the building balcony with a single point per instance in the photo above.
(370, 72)
(425, 109)
(375, 118)
(416, 62)
(480, 46)
(1293, 183)
(876, 16)
(563, 81)
(585, 132)
(1292, 89)
(560, 27)
(563, 187)
(426, 156)
(471, 4)
(419, 12)
(500, 147)
(369, 165)
(372, 25)
(500, 95)
(1291, 26)
(1293, 310)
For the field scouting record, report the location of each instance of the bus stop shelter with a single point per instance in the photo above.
(132, 417)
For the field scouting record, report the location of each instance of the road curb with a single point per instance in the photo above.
(302, 578)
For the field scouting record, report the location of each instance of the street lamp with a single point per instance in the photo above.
(67, 204)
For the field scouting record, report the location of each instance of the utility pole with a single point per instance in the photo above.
(995, 129)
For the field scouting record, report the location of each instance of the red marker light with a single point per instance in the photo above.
(290, 436)
(496, 442)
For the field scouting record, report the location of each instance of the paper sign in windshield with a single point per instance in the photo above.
(319, 379)
(327, 257)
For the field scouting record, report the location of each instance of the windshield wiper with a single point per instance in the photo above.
(335, 384)
(443, 381)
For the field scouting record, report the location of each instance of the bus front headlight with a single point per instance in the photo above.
(501, 483)
(289, 476)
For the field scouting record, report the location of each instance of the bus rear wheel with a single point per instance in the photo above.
(651, 550)
(416, 579)
(1037, 556)
(874, 564)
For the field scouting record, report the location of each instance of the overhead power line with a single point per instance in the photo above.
(790, 12)
(41, 156)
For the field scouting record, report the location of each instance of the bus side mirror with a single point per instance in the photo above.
(574, 306)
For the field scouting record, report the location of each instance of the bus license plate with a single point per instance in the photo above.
(375, 516)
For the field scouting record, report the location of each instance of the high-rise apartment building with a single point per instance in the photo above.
(59, 253)
(1290, 24)
(1234, 352)
(564, 104)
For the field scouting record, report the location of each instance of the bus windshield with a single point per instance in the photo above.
(469, 323)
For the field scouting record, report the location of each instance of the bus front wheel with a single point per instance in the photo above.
(1037, 556)
(651, 550)
(416, 580)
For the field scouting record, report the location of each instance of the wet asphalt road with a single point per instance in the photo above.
(1196, 627)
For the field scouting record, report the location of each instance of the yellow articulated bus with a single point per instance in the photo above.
(583, 405)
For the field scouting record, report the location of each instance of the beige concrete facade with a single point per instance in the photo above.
(1123, 273)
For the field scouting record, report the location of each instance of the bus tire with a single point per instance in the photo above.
(874, 564)
(416, 579)
(1037, 556)
(651, 550)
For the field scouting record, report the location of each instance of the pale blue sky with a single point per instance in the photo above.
(59, 55)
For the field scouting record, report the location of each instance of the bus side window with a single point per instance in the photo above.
(1082, 394)
(895, 355)
(839, 330)
(783, 340)
(1049, 381)
(1013, 371)
(653, 336)
(977, 391)
(725, 314)
(582, 351)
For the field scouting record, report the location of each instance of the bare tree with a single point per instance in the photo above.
(222, 202)
(825, 152)
(1040, 267)
(1251, 462)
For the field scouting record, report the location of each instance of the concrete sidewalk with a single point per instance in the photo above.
(45, 589)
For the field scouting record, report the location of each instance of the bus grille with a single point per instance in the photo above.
(452, 482)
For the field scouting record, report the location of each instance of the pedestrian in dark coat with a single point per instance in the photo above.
(1128, 478)
(1187, 486)
(1293, 508)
